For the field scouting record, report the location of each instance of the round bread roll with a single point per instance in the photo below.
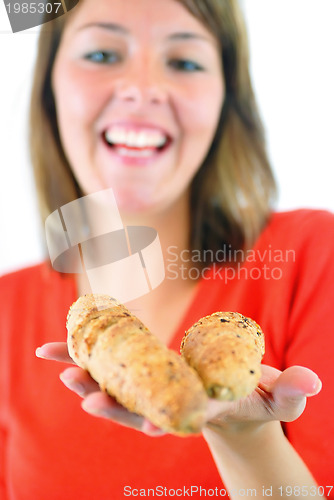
(133, 366)
(226, 350)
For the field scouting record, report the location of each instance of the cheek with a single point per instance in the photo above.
(78, 95)
(76, 104)
(199, 109)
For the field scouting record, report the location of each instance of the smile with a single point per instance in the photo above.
(135, 142)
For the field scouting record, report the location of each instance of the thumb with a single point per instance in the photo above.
(291, 389)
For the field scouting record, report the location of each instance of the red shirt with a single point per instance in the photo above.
(50, 449)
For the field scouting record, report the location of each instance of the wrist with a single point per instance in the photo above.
(242, 435)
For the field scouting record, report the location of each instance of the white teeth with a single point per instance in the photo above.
(132, 138)
(118, 136)
(142, 140)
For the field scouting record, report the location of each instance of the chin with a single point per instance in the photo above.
(142, 208)
(133, 205)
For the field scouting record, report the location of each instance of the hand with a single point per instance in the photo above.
(95, 401)
(279, 396)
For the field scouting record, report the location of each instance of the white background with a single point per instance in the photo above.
(292, 54)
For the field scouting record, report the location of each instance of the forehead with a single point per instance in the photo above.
(150, 17)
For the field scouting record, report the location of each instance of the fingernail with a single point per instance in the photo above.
(88, 409)
(151, 430)
(72, 385)
(39, 353)
(317, 388)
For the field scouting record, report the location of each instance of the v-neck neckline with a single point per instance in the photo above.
(193, 311)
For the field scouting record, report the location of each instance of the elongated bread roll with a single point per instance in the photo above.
(132, 365)
(226, 350)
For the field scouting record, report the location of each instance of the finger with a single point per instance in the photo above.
(151, 429)
(269, 375)
(101, 405)
(291, 389)
(56, 351)
(298, 380)
(221, 408)
(79, 381)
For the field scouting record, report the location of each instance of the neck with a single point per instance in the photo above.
(165, 304)
(164, 307)
(172, 224)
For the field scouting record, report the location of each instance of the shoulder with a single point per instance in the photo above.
(30, 284)
(298, 228)
(21, 273)
(301, 244)
(34, 303)
(22, 278)
(302, 219)
(305, 238)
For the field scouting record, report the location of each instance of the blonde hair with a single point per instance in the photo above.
(234, 189)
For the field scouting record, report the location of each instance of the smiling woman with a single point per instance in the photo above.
(166, 78)
(142, 87)
(153, 100)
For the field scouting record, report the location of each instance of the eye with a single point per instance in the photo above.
(103, 57)
(185, 65)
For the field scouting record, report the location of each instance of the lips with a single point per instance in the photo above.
(135, 141)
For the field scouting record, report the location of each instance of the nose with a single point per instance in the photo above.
(142, 84)
(133, 93)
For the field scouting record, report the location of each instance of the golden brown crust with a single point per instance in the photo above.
(133, 366)
(225, 349)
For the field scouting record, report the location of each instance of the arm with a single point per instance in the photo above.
(308, 341)
(249, 446)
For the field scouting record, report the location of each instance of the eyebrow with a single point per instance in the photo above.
(108, 26)
(117, 28)
(187, 36)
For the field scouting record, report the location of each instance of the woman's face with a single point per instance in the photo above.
(139, 88)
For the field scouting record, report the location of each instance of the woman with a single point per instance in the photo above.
(153, 100)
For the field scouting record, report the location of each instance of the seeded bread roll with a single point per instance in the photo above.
(226, 350)
(133, 366)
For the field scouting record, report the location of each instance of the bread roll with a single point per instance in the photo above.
(226, 350)
(133, 366)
